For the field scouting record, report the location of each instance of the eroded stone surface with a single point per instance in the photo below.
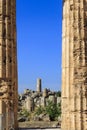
(8, 62)
(74, 65)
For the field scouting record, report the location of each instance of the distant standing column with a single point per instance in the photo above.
(38, 85)
(45, 92)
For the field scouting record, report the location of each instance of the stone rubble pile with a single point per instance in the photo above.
(30, 100)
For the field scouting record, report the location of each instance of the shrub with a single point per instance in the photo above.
(25, 113)
(53, 110)
(58, 94)
(39, 110)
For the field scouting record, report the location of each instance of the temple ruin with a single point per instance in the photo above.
(8, 65)
(74, 65)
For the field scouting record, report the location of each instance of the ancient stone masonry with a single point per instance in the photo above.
(8, 64)
(74, 65)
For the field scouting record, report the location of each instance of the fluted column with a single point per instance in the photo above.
(14, 61)
(74, 65)
(8, 61)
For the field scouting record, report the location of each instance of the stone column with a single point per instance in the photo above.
(45, 92)
(39, 85)
(14, 60)
(8, 59)
(29, 104)
(74, 65)
(2, 115)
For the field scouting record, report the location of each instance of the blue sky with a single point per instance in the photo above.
(39, 25)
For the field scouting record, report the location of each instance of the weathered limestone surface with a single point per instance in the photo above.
(74, 65)
(8, 63)
(45, 92)
(29, 104)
